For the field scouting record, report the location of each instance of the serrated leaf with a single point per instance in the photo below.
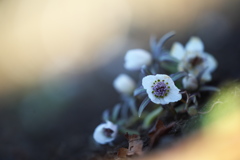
(115, 112)
(178, 75)
(139, 90)
(144, 103)
(209, 88)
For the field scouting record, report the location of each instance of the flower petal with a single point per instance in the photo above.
(173, 95)
(194, 44)
(177, 51)
(190, 82)
(147, 81)
(211, 61)
(160, 101)
(166, 78)
(206, 76)
(211, 65)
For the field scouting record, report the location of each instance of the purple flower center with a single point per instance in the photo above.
(107, 132)
(160, 89)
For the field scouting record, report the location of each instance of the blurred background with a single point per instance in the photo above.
(58, 59)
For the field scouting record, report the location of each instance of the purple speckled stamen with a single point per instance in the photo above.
(160, 89)
(108, 132)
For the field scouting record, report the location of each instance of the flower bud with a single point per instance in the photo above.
(136, 58)
(192, 110)
(124, 84)
(190, 82)
(105, 133)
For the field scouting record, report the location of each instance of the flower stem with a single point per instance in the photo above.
(171, 109)
(151, 116)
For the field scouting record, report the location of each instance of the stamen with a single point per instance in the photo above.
(196, 61)
(160, 89)
(107, 132)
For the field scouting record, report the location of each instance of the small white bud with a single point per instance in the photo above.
(136, 58)
(190, 82)
(124, 84)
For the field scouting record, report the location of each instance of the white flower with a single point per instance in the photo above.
(124, 84)
(136, 58)
(193, 58)
(105, 133)
(161, 89)
(190, 82)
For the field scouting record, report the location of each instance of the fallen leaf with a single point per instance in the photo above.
(135, 145)
(158, 130)
(122, 152)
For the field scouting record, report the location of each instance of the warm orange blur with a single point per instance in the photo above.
(49, 38)
(218, 140)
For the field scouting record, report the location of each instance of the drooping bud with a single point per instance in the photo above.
(190, 82)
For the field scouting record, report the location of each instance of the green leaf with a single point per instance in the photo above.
(169, 66)
(143, 105)
(139, 90)
(167, 57)
(115, 112)
(151, 116)
(129, 131)
(157, 47)
(124, 110)
(164, 39)
(132, 106)
(153, 44)
(145, 71)
(178, 75)
(105, 115)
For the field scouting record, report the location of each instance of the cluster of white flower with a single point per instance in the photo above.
(194, 60)
(194, 67)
